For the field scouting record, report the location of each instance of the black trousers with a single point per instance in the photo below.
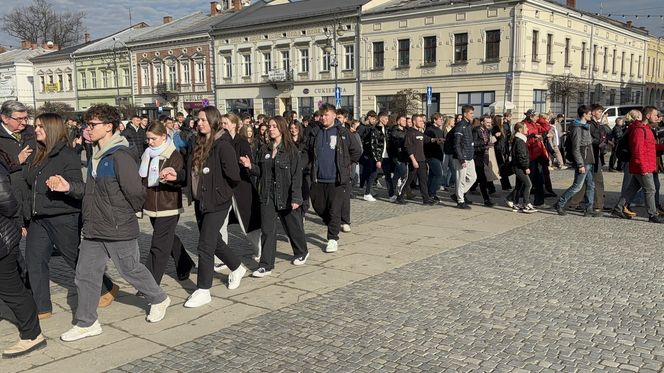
(503, 168)
(481, 179)
(44, 233)
(422, 175)
(291, 221)
(327, 200)
(345, 208)
(210, 243)
(368, 174)
(17, 297)
(165, 244)
(522, 187)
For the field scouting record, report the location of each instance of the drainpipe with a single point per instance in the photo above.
(358, 85)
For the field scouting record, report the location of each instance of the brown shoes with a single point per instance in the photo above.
(108, 298)
(44, 315)
(24, 346)
(628, 212)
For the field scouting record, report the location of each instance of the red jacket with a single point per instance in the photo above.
(644, 149)
(536, 146)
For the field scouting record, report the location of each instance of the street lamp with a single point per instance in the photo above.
(117, 41)
(331, 35)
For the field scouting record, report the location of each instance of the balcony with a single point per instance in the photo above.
(280, 79)
(168, 91)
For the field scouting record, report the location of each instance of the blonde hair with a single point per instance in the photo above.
(633, 115)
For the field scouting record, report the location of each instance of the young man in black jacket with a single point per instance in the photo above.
(112, 195)
(397, 153)
(414, 143)
(464, 151)
(135, 135)
(373, 141)
(434, 154)
(331, 152)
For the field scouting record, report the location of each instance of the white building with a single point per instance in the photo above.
(16, 74)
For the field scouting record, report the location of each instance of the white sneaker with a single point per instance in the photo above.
(158, 311)
(219, 268)
(529, 209)
(393, 198)
(345, 228)
(235, 277)
(332, 246)
(77, 332)
(300, 260)
(509, 203)
(198, 298)
(369, 198)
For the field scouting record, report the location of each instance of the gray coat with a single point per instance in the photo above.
(582, 151)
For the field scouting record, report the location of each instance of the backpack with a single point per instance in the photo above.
(448, 145)
(622, 150)
(567, 145)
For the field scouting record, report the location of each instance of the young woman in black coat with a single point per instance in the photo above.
(279, 172)
(56, 217)
(521, 163)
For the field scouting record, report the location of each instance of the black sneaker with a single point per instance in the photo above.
(656, 219)
(559, 209)
(453, 197)
(489, 203)
(590, 213)
(620, 214)
(430, 202)
(401, 201)
(467, 200)
(463, 206)
(435, 199)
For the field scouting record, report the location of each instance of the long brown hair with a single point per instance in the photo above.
(56, 132)
(157, 127)
(282, 126)
(244, 132)
(234, 119)
(204, 143)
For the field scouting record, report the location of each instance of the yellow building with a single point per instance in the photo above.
(655, 72)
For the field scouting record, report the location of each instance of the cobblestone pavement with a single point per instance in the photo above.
(559, 295)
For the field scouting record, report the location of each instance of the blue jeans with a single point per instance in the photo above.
(449, 173)
(435, 175)
(400, 173)
(579, 180)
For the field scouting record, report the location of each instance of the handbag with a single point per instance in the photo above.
(10, 235)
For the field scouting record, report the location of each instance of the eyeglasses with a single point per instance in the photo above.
(93, 124)
(21, 119)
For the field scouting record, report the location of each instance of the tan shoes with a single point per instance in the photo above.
(24, 346)
(108, 298)
(44, 315)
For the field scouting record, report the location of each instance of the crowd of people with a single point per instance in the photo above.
(235, 170)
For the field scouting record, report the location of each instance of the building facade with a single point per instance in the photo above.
(16, 74)
(497, 56)
(654, 91)
(277, 56)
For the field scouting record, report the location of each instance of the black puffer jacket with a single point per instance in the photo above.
(373, 141)
(9, 230)
(520, 156)
(64, 161)
(464, 149)
(396, 145)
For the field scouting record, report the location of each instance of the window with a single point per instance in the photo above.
(228, 67)
(306, 106)
(606, 60)
(582, 98)
(186, 73)
(285, 60)
(145, 76)
(346, 103)
(480, 100)
(50, 79)
(70, 82)
(327, 61)
(631, 64)
(389, 103)
(461, 48)
(567, 44)
(492, 45)
(639, 69)
(127, 78)
(615, 56)
(612, 100)
(349, 57)
(246, 65)
(61, 82)
(158, 74)
(93, 74)
(535, 44)
(172, 76)
(539, 100)
(269, 105)
(304, 60)
(622, 64)
(84, 81)
(549, 49)
(378, 55)
(267, 62)
(404, 52)
(240, 106)
(595, 68)
(200, 71)
(430, 50)
(583, 55)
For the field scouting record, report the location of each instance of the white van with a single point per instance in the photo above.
(613, 112)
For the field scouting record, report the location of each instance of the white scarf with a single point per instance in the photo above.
(150, 161)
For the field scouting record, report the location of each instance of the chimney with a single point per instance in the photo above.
(2, 50)
(629, 24)
(87, 37)
(571, 3)
(25, 44)
(168, 19)
(237, 5)
(213, 8)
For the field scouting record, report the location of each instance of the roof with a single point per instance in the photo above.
(265, 12)
(191, 24)
(21, 55)
(60, 54)
(112, 41)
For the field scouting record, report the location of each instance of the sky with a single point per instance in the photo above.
(108, 16)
